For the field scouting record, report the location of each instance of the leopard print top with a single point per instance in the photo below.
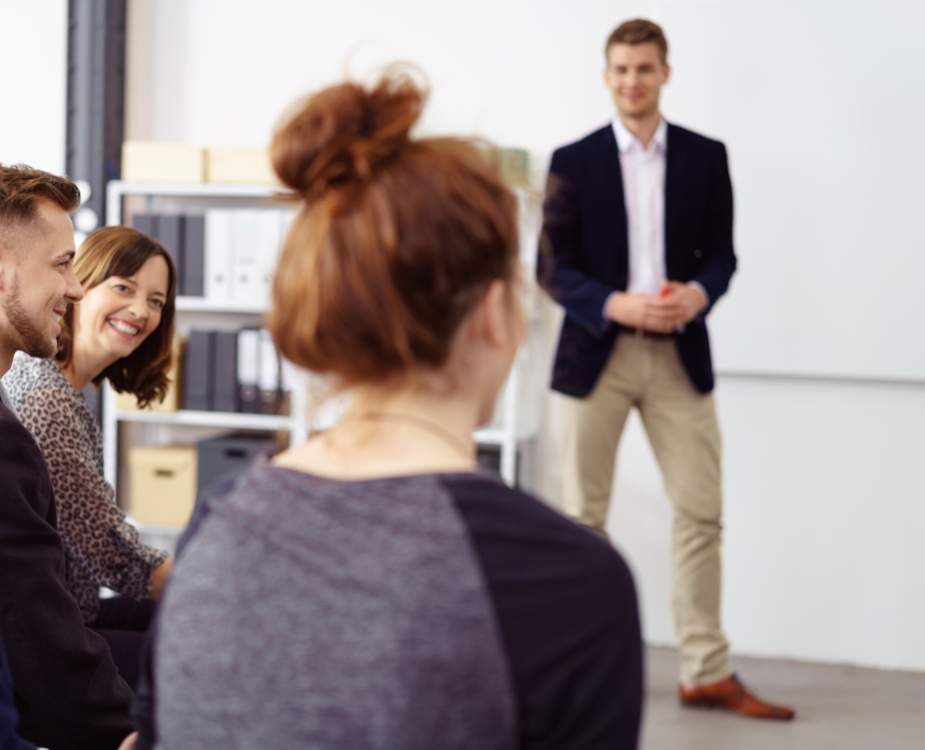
(101, 548)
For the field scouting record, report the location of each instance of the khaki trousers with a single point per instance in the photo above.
(682, 428)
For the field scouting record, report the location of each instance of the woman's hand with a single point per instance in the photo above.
(159, 577)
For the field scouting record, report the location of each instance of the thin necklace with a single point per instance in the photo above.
(414, 421)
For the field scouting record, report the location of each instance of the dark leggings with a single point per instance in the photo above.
(122, 623)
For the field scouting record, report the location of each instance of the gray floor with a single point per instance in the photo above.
(847, 708)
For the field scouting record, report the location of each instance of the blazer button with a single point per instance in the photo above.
(698, 253)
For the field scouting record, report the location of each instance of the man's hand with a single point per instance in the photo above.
(688, 297)
(159, 577)
(675, 306)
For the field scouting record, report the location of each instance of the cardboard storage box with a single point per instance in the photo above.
(150, 161)
(163, 484)
(240, 164)
(172, 399)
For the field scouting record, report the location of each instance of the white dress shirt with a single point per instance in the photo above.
(644, 195)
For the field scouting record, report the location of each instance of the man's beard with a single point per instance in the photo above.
(32, 340)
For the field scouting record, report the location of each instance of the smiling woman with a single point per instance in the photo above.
(121, 330)
(133, 277)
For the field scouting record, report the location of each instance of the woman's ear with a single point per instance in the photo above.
(494, 312)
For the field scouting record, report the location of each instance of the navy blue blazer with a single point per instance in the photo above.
(584, 248)
(66, 687)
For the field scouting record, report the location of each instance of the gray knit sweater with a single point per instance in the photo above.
(412, 613)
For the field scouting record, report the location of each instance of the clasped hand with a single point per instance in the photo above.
(677, 305)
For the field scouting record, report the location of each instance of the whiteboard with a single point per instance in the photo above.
(821, 105)
(33, 83)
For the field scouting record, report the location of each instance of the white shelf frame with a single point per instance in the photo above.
(189, 418)
(118, 189)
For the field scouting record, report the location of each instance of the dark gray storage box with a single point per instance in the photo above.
(229, 454)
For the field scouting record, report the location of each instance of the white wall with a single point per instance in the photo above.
(221, 71)
(824, 511)
(823, 521)
(33, 83)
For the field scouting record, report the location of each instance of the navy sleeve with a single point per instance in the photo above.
(9, 740)
(719, 260)
(566, 607)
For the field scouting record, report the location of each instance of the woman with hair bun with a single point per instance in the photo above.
(370, 588)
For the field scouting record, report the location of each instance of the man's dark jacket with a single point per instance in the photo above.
(9, 719)
(584, 247)
(67, 689)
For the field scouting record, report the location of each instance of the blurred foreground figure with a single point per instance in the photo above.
(371, 588)
(637, 247)
(68, 691)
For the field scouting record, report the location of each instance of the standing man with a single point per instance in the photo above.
(637, 247)
(67, 690)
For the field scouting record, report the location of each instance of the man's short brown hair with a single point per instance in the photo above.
(639, 31)
(22, 188)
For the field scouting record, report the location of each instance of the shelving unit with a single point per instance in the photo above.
(125, 199)
(511, 428)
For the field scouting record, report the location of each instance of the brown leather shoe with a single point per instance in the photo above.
(732, 695)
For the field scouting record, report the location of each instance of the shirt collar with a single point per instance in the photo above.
(625, 139)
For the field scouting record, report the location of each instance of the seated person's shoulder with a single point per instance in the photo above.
(15, 439)
(566, 607)
(36, 388)
(523, 530)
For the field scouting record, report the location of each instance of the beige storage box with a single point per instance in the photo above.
(173, 398)
(249, 165)
(150, 161)
(163, 484)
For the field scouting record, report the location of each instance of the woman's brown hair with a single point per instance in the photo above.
(396, 238)
(121, 251)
